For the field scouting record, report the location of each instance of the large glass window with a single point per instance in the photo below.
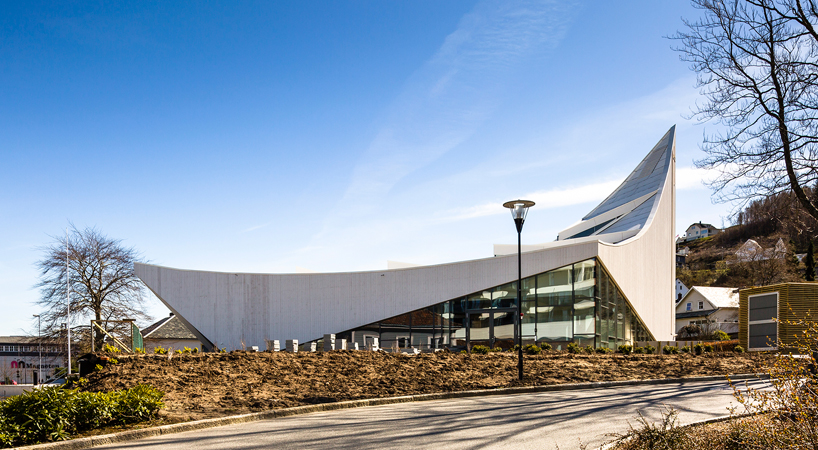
(579, 302)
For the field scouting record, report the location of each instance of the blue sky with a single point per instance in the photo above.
(327, 136)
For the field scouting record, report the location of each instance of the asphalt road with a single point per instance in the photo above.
(548, 420)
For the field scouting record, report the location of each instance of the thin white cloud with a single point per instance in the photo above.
(256, 227)
(554, 198)
(451, 95)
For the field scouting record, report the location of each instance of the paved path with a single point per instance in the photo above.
(548, 420)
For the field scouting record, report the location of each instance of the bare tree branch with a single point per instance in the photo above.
(757, 66)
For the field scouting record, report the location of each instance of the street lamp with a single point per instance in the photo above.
(39, 350)
(519, 209)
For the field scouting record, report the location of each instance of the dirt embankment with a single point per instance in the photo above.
(217, 384)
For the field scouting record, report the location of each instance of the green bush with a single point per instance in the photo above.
(160, 350)
(698, 349)
(545, 346)
(603, 350)
(721, 336)
(588, 349)
(496, 349)
(708, 348)
(670, 350)
(532, 349)
(650, 350)
(625, 349)
(480, 350)
(639, 350)
(685, 349)
(55, 413)
(738, 349)
(573, 347)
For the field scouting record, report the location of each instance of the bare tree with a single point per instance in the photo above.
(756, 63)
(103, 284)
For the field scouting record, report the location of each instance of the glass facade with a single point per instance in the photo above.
(576, 303)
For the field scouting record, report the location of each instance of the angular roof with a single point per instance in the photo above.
(629, 207)
(168, 328)
(718, 296)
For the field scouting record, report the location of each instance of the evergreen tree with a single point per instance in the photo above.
(809, 261)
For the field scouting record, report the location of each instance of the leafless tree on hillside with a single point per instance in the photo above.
(103, 284)
(757, 66)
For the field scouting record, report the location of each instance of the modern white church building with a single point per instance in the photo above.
(605, 281)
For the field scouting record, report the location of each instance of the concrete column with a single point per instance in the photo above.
(273, 346)
(292, 345)
(341, 344)
(329, 342)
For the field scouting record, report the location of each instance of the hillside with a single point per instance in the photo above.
(713, 261)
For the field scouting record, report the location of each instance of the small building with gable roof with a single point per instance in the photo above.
(169, 332)
(712, 308)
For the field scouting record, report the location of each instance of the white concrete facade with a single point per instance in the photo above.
(630, 233)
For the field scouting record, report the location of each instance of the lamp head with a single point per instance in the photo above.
(519, 209)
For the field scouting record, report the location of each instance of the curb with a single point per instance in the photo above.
(131, 435)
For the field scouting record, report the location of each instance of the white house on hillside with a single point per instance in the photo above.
(700, 230)
(752, 251)
(712, 308)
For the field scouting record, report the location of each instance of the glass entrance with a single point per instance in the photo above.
(492, 328)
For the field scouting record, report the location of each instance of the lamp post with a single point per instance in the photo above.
(68, 300)
(519, 209)
(39, 350)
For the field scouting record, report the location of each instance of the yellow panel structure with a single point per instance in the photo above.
(794, 301)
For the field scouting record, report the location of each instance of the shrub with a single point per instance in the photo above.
(54, 413)
(195, 350)
(160, 350)
(720, 335)
(110, 349)
(496, 349)
(664, 435)
(588, 349)
(603, 350)
(685, 349)
(650, 350)
(573, 347)
(97, 368)
(545, 346)
(738, 349)
(698, 349)
(113, 361)
(177, 351)
(708, 348)
(139, 351)
(480, 350)
(532, 349)
(670, 350)
(625, 349)
(639, 350)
